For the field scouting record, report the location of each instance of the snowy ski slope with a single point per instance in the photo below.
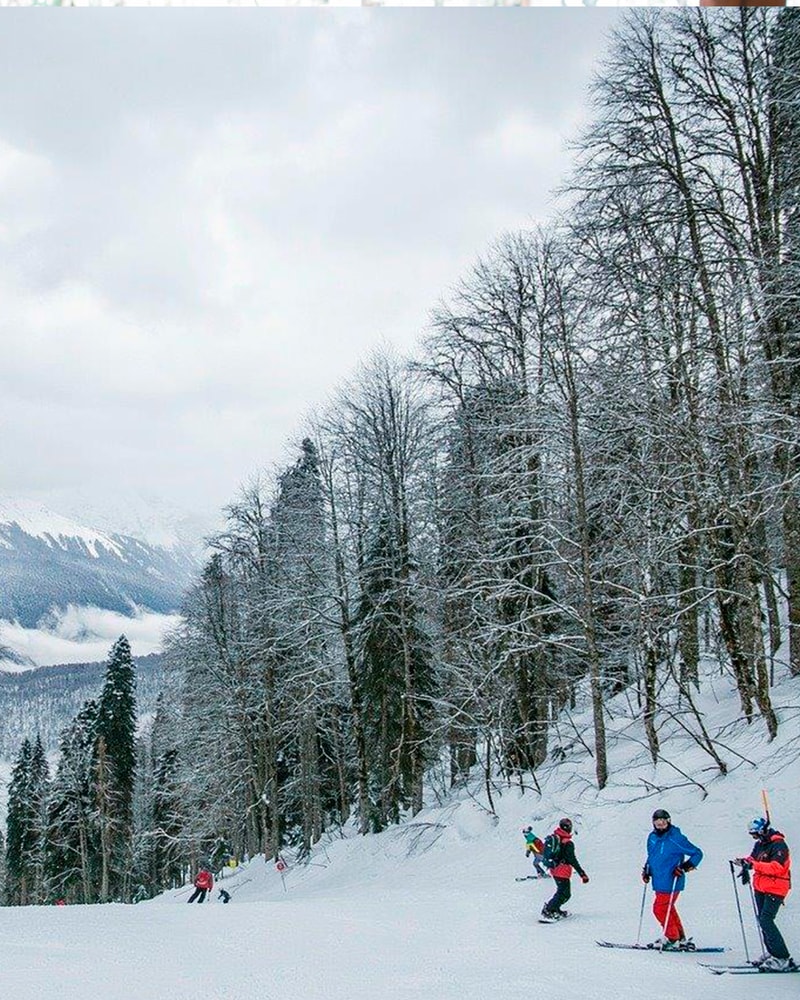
(431, 910)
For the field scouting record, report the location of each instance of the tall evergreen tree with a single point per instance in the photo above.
(37, 812)
(115, 766)
(72, 821)
(397, 679)
(18, 871)
(27, 803)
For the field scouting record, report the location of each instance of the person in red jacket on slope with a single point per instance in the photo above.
(202, 884)
(562, 872)
(771, 865)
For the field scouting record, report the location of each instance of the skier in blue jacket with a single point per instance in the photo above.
(670, 856)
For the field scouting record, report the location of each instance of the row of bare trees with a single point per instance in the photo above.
(585, 484)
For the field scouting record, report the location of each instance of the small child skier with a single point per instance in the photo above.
(535, 848)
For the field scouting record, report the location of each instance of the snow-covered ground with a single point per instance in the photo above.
(432, 910)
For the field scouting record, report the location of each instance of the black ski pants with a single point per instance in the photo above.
(768, 904)
(562, 894)
(198, 892)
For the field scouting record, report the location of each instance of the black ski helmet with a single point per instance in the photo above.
(565, 824)
(661, 814)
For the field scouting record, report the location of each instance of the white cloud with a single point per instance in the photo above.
(189, 265)
(520, 137)
(84, 635)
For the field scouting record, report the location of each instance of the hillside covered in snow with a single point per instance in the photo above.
(431, 908)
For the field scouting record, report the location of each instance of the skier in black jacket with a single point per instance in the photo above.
(562, 872)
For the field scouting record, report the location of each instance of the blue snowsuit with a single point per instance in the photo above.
(664, 853)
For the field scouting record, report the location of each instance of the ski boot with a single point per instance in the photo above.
(773, 964)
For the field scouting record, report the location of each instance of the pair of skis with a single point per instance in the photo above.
(667, 951)
(744, 970)
(747, 969)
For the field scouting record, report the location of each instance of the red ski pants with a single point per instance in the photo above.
(674, 929)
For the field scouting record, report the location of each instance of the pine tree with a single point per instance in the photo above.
(396, 679)
(115, 766)
(72, 851)
(3, 898)
(18, 873)
(27, 810)
(38, 802)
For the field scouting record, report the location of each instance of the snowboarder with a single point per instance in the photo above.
(670, 856)
(771, 865)
(535, 848)
(562, 872)
(203, 883)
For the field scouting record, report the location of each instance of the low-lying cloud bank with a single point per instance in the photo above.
(80, 635)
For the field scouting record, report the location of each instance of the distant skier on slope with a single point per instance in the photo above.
(771, 864)
(670, 856)
(535, 848)
(561, 870)
(203, 883)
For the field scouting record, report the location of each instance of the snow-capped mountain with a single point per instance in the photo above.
(150, 519)
(69, 579)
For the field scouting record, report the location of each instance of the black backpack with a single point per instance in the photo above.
(552, 850)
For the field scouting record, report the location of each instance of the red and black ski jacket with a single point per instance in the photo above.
(566, 859)
(204, 880)
(772, 865)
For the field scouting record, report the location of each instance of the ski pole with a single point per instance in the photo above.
(739, 909)
(758, 921)
(669, 913)
(641, 914)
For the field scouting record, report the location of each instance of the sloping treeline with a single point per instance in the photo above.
(586, 483)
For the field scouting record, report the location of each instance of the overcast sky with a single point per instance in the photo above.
(207, 218)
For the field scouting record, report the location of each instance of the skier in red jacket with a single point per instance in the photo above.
(771, 865)
(562, 872)
(202, 884)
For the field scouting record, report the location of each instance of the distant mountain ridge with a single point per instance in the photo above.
(48, 562)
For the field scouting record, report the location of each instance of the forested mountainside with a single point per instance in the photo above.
(45, 700)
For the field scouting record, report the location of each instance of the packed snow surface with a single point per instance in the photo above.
(429, 910)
